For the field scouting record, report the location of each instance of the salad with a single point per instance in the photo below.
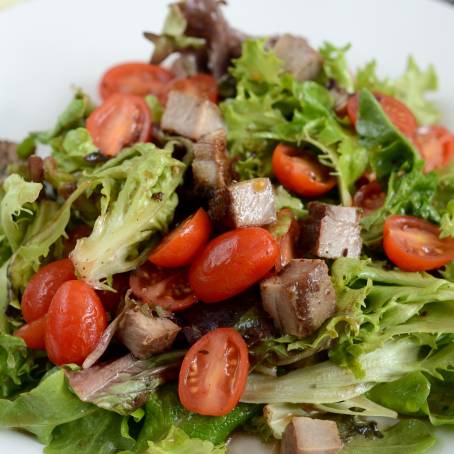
(244, 235)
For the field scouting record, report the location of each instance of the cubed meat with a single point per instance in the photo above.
(299, 298)
(145, 335)
(245, 204)
(299, 58)
(190, 116)
(311, 436)
(211, 165)
(331, 231)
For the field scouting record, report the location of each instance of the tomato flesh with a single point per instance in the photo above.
(214, 372)
(140, 79)
(120, 121)
(232, 262)
(33, 333)
(43, 286)
(396, 111)
(413, 244)
(76, 321)
(201, 85)
(369, 197)
(181, 246)
(300, 172)
(166, 288)
(436, 146)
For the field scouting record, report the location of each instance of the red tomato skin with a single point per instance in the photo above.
(232, 262)
(111, 300)
(397, 112)
(369, 197)
(43, 286)
(120, 121)
(75, 323)
(201, 85)
(299, 173)
(428, 253)
(214, 399)
(436, 146)
(135, 78)
(180, 246)
(33, 333)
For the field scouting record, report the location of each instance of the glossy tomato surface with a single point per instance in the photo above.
(300, 172)
(167, 288)
(214, 372)
(75, 322)
(43, 286)
(120, 121)
(369, 197)
(180, 246)
(232, 262)
(413, 244)
(138, 78)
(33, 333)
(436, 146)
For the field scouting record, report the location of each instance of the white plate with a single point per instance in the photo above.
(49, 46)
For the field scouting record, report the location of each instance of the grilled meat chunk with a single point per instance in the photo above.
(190, 116)
(300, 298)
(211, 165)
(311, 436)
(299, 58)
(7, 155)
(331, 231)
(245, 204)
(145, 335)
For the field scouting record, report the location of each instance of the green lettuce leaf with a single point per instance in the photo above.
(410, 435)
(284, 200)
(16, 365)
(178, 442)
(138, 202)
(99, 432)
(16, 209)
(164, 410)
(44, 407)
(335, 66)
(411, 88)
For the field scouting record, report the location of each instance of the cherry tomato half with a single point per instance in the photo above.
(397, 112)
(232, 262)
(118, 122)
(369, 197)
(201, 85)
(166, 288)
(33, 333)
(300, 172)
(436, 145)
(181, 245)
(75, 323)
(43, 286)
(214, 372)
(140, 79)
(414, 244)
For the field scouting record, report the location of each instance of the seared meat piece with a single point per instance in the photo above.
(311, 436)
(300, 298)
(331, 231)
(145, 335)
(190, 116)
(299, 58)
(286, 231)
(7, 155)
(244, 204)
(211, 165)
